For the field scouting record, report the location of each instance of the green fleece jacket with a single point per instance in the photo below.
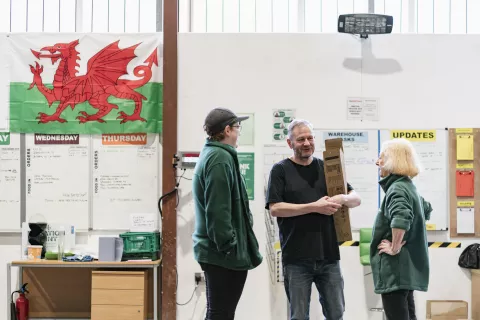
(402, 208)
(223, 233)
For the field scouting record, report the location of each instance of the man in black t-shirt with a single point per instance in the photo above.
(297, 196)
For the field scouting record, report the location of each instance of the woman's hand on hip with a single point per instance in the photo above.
(386, 247)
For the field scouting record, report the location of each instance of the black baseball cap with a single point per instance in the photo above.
(219, 118)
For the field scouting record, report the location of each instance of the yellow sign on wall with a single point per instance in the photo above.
(431, 226)
(468, 165)
(415, 135)
(464, 130)
(466, 204)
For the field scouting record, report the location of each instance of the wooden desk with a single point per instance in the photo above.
(62, 281)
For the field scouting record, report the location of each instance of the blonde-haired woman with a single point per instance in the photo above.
(399, 249)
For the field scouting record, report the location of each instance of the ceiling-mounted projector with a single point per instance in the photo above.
(365, 24)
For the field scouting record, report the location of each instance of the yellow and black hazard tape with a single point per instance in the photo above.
(349, 244)
(444, 244)
(430, 244)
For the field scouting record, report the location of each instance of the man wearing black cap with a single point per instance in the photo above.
(223, 241)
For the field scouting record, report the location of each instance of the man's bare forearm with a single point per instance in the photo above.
(285, 210)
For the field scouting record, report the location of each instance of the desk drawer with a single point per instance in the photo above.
(113, 312)
(118, 297)
(129, 280)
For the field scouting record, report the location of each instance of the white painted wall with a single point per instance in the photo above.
(256, 73)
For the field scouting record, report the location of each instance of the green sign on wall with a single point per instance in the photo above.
(247, 166)
(4, 138)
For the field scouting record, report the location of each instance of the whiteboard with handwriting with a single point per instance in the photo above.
(125, 178)
(56, 177)
(89, 182)
(10, 183)
(432, 182)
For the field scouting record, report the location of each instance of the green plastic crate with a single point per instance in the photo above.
(140, 242)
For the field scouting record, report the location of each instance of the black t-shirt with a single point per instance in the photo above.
(309, 236)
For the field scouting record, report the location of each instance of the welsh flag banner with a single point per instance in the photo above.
(85, 83)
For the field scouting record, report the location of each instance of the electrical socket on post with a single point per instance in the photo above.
(199, 278)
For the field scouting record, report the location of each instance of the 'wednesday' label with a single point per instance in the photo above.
(57, 138)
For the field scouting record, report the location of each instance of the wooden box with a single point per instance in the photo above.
(118, 295)
(335, 177)
(447, 310)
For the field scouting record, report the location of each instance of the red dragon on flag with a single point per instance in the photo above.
(101, 81)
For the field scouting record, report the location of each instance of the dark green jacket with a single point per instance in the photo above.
(402, 208)
(223, 233)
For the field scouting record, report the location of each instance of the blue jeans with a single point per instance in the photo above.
(327, 276)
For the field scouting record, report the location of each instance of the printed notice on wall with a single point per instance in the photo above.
(364, 109)
(247, 169)
(57, 171)
(10, 180)
(125, 178)
(281, 120)
(143, 222)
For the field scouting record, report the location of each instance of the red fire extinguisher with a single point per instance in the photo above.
(19, 310)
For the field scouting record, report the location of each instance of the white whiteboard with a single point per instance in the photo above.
(432, 182)
(10, 182)
(57, 178)
(125, 178)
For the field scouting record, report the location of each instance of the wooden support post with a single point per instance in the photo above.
(169, 133)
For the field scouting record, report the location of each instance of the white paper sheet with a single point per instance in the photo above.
(365, 109)
(143, 222)
(465, 220)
